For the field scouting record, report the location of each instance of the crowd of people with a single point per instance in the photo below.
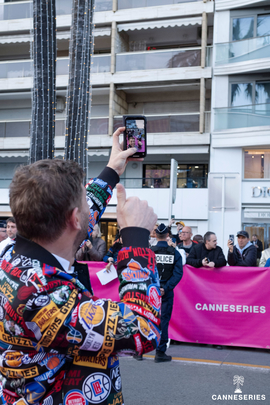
(52, 327)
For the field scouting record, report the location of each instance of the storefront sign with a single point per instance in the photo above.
(260, 192)
(224, 306)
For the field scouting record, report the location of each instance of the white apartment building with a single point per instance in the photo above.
(151, 57)
(239, 179)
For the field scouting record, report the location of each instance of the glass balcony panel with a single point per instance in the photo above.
(122, 4)
(17, 129)
(158, 59)
(2, 129)
(63, 7)
(242, 117)
(62, 66)
(101, 64)
(60, 128)
(9, 11)
(164, 182)
(167, 124)
(3, 70)
(242, 51)
(99, 126)
(117, 122)
(5, 183)
(18, 69)
(103, 5)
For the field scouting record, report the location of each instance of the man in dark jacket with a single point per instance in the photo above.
(207, 254)
(258, 245)
(244, 253)
(170, 270)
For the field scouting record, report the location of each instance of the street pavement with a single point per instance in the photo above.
(198, 375)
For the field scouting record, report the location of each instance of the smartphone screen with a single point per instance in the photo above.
(231, 237)
(135, 135)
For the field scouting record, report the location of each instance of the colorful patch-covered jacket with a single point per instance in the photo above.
(58, 343)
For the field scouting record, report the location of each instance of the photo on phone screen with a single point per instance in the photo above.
(135, 135)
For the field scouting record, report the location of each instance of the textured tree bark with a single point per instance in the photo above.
(43, 94)
(79, 88)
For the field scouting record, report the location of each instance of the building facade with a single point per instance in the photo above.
(151, 57)
(199, 72)
(239, 178)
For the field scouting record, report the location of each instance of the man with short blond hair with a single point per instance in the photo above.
(186, 242)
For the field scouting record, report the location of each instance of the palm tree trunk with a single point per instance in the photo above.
(79, 88)
(43, 94)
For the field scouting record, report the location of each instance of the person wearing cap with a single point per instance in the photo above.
(180, 225)
(170, 269)
(3, 231)
(244, 253)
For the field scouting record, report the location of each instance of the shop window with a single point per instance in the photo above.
(257, 25)
(257, 164)
(188, 176)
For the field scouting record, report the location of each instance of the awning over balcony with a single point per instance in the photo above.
(13, 153)
(145, 25)
(13, 39)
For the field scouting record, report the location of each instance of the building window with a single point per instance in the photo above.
(251, 93)
(189, 176)
(257, 164)
(257, 25)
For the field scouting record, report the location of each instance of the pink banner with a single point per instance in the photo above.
(225, 306)
(108, 291)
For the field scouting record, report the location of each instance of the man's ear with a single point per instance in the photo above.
(74, 219)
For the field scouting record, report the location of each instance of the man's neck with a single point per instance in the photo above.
(61, 247)
(187, 242)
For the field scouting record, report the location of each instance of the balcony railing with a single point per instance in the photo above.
(98, 126)
(171, 58)
(148, 3)
(164, 182)
(256, 115)
(20, 10)
(186, 122)
(24, 68)
(5, 183)
(243, 51)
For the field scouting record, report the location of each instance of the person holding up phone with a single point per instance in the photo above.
(244, 253)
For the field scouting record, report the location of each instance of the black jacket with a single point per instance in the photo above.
(199, 252)
(248, 258)
(259, 248)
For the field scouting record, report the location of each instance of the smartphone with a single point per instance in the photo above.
(231, 237)
(135, 134)
(207, 260)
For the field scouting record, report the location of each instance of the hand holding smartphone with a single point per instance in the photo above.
(135, 134)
